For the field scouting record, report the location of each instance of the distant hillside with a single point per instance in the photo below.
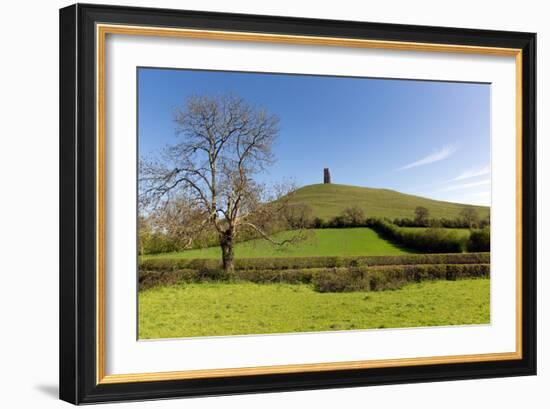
(328, 200)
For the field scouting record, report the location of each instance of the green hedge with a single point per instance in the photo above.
(392, 277)
(480, 240)
(170, 264)
(365, 278)
(434, 239)
(148, 279)
(431, 240)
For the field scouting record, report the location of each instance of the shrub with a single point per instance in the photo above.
(441, 258)
(421, 215)
(295, 276)
(148, 279)
(336, 279)
(441, 222)
(156, 243)
(171, 264)
(353, 216)
(297, 216)
(480, 240)
(470, 216)
(485, 222)
(392, 277)
(431, 240)
(318, 223)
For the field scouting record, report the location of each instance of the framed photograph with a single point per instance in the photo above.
(257, 203)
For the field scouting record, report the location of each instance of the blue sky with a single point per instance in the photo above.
(420, 137)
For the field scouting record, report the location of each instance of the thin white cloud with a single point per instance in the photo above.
(472, 173)
(466, 185)
(475, 198)
(436, 156)
(478, 198)
(467, 174)
(484, 193)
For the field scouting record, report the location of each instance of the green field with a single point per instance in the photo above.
(360, 241)
(329, 200)
(210, 309)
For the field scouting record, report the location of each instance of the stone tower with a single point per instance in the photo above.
(326, 176)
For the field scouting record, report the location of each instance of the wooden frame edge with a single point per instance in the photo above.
(206, 34)
(100, 205)
(301, 368)
(519, 203)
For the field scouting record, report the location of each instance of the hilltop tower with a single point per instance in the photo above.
(326, 176)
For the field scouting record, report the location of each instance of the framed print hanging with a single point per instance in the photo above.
(258, 203)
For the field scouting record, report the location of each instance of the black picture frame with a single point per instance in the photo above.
(78, 360)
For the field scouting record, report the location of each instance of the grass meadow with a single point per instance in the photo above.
(210, 309)
(328, 200)
(359, 241)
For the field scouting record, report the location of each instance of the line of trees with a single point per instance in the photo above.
(354, 216)
(468, 218)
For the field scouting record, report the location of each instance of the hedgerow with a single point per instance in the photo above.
(337, 279)
(480, 240)
(431, 240)
(284, 263)
(148, 279)
(392, 277)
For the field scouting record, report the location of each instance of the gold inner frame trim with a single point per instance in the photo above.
(285, 369)
(101, 32)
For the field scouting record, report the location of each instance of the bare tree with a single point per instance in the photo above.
(353, 215)
(421, 214)
(144, 233)
(181, 222)
(223, 143)
(470, 216)
(298, 215)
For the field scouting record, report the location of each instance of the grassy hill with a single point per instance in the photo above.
(328, 201)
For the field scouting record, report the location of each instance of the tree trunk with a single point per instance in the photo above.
(226, 243)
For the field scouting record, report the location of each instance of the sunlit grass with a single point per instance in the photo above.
(329, 200)
(209, 309)
(360, 241)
